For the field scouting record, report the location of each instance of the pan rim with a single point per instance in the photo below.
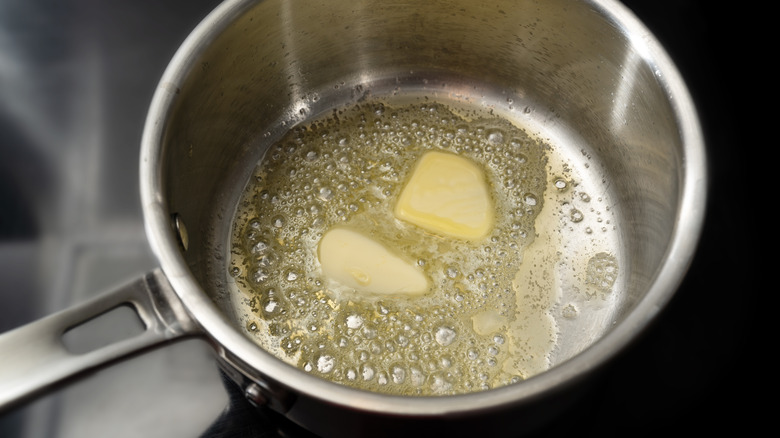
(226, 337)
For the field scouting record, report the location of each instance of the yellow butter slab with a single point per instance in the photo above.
(447, 195)
(354, 260)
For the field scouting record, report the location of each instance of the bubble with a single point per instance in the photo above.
(440, 383)
(290, 345)
(495, 137)
(261, 275)
(576, 215)
(369, 332)
(272, 308)
(416, 376)
(367, 372)
(398, 374)
(569, 312)
(325, 193)
(259, 247)
(266, 260)
(326, 363)
(560, 184)
(354, 321)
(602, 271)
(445, 336)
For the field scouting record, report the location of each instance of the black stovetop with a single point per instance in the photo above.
(76, 78)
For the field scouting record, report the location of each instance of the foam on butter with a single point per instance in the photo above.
(447, 195)
(354, 260)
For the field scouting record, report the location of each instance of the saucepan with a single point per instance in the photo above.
(618, 212)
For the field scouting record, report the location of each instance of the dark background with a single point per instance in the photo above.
(76, 79)
(699, 367)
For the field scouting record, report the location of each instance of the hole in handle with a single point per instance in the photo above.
(117, 324)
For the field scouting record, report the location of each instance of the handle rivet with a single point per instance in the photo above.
(181, 231)
(254, 393)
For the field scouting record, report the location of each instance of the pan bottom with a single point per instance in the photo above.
(542, 287)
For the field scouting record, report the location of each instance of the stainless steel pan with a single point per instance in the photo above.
(587, 74)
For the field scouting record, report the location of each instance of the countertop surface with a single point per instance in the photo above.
(76, 79)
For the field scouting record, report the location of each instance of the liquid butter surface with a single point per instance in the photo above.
(337, 204)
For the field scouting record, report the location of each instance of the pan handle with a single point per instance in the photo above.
(35, 358)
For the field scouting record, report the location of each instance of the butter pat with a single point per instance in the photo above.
(447, 195)
(488, 322)
(356, 261)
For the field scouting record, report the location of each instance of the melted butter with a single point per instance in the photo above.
(471, 329)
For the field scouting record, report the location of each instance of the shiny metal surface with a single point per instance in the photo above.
(41, 359)
(251, 70)
(673, 359)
